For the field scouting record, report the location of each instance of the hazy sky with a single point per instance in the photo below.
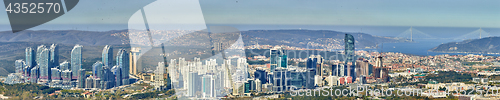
(440, 13)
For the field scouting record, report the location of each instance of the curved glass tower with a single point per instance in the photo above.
(76, 60)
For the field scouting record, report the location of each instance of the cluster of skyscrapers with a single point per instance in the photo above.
(42, 66)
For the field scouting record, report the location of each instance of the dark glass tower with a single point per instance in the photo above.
(97, 70)
(349, 54)
(278, 58)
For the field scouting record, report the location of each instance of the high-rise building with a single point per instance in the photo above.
(107, 78)
(281, 79)
(315, 62)
(44, 63)
(38, 52)
(191, 83)
(97, 83)
(97, 70)
(159, 80)
(54, 55)
(76, 60)
(278, 58)
(34, 74)
(134, 55)
(19, 66)
(66, 75)
(89, 82)
(107, 56)
(55, 74)
(65, 66)
(122, 61)
(81, 78)
(117, 71)
(30, 57)
(261, 74)
(349, 54)
(207, 86)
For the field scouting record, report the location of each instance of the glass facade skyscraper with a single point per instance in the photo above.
(349, 55)
(122, 60)
(44, 63)
(54, 55)
(76, 60)
(30, 57)
(278, 58)
(107, 56)
(97, 70)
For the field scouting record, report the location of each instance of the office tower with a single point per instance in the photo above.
(380, 64)
(66, 75)
(261, 74)
(81, 78)
(54, 55)
(44, 63)
(349, 54)
(76, 60)
(55, 74)
(122, 61)
(97, 70)
(278, 58)
(30, 57)
(362, 67)
(134, 55)
(65, 66)
(159, 82)
(107, 56)
(19, 66)
(318, 80)
(315, 62)
(281, 79)
(34, 74)
(89, 83)
(309, 78)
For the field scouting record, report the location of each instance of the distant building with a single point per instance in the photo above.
(65, 66)
(34, 74)
(122, 60)
(30, 57)
(278, 58)
(117, 71)
(54, 55)
(349, 54)
(19, 64)
(56, 74)
(44, 63)
(281, 79)
(81, 78)
(97, 70)
(107, 56)
(134, 55)
(159, 83)
(76, 60)
(89, 83)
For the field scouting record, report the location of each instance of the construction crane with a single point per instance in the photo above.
(219, 49)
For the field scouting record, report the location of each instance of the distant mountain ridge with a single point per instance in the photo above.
(300, 38)
(63, 37)
(483, 45)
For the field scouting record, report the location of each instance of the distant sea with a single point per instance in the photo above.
(419, 47)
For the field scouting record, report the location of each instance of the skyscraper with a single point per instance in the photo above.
(38, 52)
(107, 56)
(76, 60)
(44, 63)
(34, 74)
(54, 55)
(19, 66)
(160, 70)
(55, 74)
(97, 70)
(278, 58)
(134, 55)
(349, 54)
(81, 78)
(117, 71)
(30, 57)
(122, 61)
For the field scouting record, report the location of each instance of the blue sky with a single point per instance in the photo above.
(429, 13)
